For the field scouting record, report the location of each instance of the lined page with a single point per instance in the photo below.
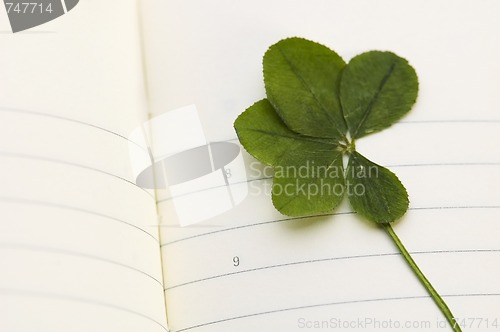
(79, 245)
(250, 268)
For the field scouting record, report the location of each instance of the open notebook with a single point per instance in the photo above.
(83, 247)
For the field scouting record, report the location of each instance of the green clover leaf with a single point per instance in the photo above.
(314, 103)
(384, 198)
(377, 89)
(316, 107)
(302, 82)
(262, 132)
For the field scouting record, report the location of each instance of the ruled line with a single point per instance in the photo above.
(73, 208)
(160, 201)
(331, 259)
(71, 253)
(437, 121)
(251, 225)
(69, 298)
(445, 164)
(58, 117)
(451, 121)
(383, 299)
(57, 161)
(316, 216)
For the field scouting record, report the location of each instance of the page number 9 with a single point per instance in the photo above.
(236, 261)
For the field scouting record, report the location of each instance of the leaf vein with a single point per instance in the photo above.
(307, 87)
(374, 98)
(300, 138)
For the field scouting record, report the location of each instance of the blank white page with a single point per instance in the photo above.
(79, 245)
(296, 274)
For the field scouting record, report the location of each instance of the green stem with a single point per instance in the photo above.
(432, 292)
